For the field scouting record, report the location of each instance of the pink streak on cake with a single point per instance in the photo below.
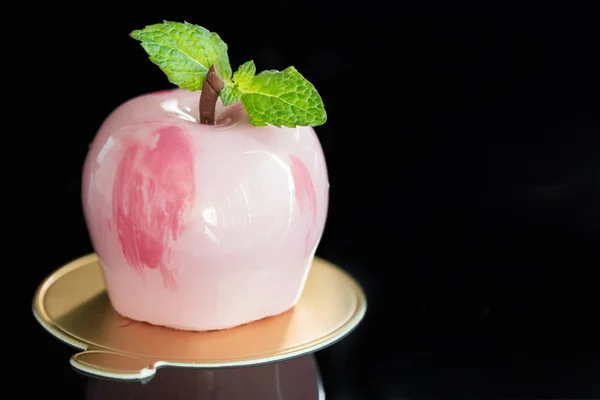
(305, 195)
(153, 186)
(305, 192)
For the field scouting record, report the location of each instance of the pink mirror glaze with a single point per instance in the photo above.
(202, 227)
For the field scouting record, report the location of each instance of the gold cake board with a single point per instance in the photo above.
(73, 306)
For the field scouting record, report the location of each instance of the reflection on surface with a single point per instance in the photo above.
(295, 379)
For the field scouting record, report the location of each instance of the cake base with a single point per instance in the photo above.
(73, 306)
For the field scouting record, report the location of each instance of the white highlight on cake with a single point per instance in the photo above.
(109, 144)
(172, 106)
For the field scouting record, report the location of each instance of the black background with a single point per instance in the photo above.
(464, 192)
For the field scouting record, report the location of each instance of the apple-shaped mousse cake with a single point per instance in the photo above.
(205, 203)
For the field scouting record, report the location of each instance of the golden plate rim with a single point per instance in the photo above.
(317, 344)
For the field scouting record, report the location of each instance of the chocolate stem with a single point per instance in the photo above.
(213, 84)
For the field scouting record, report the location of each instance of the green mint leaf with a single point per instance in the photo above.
(245, 73)
(282, 98)
(229, 95)
(185, 52)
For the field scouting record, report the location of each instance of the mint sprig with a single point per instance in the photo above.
(185, 53)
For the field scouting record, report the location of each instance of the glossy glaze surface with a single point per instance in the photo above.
(202, 227)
